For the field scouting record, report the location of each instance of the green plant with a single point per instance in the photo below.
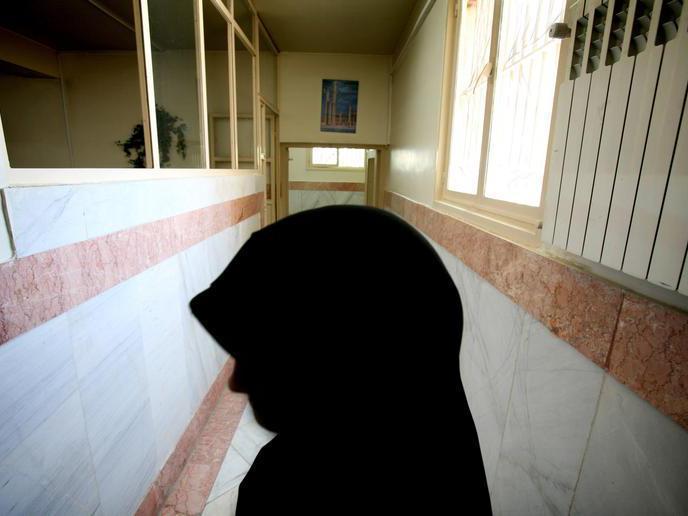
(169, 126)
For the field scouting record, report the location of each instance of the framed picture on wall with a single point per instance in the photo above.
(339, 112)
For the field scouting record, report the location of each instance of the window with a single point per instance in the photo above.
(333, 158)
(114, 85)
(70, 94)
(505, 73)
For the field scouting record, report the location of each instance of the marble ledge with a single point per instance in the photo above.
(327, 186)
(641, 343)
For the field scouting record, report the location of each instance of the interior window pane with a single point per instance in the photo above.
(216, 34)
(78, 104)
(524, 94)
(470, 89)
(245, 105)
(268, 70)
(176, 85)
(244, 17)
(352, 158)
(324, 156)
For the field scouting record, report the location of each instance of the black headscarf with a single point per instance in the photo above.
(346, 329)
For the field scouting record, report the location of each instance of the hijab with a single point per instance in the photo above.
(346, 329)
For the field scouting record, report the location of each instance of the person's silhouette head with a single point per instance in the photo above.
(345, 326)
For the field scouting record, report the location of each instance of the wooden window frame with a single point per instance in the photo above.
(18, 176)
(516, 221)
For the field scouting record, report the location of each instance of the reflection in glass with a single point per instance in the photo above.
(176, 84)
(215, 35)
(245, 105)
(268, 70)
(75, 107)
(244, 17)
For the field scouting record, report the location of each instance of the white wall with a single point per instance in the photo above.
(95, 400)
(416, 99)
(300, 93)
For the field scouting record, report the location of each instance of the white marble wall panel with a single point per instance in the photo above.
(488, 357)
(161, 297)
(95, 400)
(46, 217)
(300, 200)
(37, 375)
(119, 421)
(552, 405)
(557, 434)
(636, 462)
(51, 472)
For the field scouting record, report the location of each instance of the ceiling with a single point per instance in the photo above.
(71, 24)
(336, 26)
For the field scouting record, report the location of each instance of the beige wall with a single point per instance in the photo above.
(416, 98)
(33, 121)
(176, 89)
(268, 76)
(103, 105)
(300, 87)
(300, 171)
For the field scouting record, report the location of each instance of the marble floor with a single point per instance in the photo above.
(248, 439)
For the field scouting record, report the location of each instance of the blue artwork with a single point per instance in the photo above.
(339, 106)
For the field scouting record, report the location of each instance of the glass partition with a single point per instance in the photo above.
(216, 39)
(245, 97)
(268, 70)
(175, 78)
(244, 17)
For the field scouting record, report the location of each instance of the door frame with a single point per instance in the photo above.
(376, 183)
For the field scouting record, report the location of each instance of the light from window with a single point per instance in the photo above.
(523, 99)
(325, 156)
(351, 158)
(470, 89)
(525, 71)
(339, 158)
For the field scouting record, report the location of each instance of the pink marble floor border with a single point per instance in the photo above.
(338, 187)
(37, 288)
(185, 481)
(640, 342)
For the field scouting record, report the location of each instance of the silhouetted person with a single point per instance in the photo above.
(346, 329)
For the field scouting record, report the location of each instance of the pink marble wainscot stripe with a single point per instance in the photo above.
(190, 493)
(575, 306)
(650, 355)
(640, 342)
(36, 288)
(324, 185)
(165, 483)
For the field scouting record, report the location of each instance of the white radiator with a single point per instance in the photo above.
(618, 178)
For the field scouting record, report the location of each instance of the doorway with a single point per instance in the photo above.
(320, 176)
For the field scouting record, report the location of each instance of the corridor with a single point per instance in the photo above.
(539, 147)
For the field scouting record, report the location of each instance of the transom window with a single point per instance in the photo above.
(505, 74)
(334, 158)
